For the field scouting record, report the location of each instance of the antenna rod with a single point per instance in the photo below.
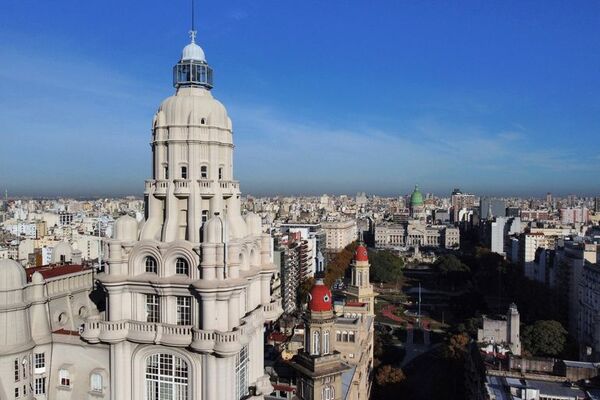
(192, 14)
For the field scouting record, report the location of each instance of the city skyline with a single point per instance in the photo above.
(487, 98)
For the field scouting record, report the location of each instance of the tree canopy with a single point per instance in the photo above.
(385, 266)
(336, 268)
(451, 270)
(388, 375)
(544, 338)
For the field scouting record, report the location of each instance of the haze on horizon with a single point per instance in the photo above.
(325, 97)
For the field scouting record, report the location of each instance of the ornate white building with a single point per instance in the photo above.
(188, 290)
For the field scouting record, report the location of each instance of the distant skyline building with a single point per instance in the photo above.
(461, 201)
(490, 207)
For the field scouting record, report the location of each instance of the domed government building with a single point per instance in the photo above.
(179, 310)
(417, 205)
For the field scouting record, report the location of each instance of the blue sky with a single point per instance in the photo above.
(325, 96)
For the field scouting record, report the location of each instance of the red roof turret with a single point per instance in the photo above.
(361, 253)
(320, 297)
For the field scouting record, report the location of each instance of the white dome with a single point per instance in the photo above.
(62, 249)
(193, 52)
(12, 275)
(191, 105)
(126, 228)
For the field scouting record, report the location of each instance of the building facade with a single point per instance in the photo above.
(41, 353)
(337, 359)
(339, 234)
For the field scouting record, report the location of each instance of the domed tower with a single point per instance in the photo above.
(318, 365)
(192, 158)
(16, 342)
(360, 288)
(416, 203)
(188, 290)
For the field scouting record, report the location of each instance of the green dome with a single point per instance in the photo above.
(416, 198)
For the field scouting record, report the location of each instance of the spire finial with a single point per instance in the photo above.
(193, 30)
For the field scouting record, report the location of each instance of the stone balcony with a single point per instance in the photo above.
(182, 187)
(206, 187)
(225, 344)
(273, 310)
(161, 188)
(149, 185)
(138, 332)
(229, 187)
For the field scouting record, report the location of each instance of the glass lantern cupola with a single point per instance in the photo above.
(192, 69)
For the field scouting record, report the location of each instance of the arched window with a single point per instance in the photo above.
(151, 265)
(182, 267)
(344, 336)
(338, 336)
(202, 121)
(351, 336)
(166, 377)
(204, 172)
(326, 342)
(316, 343)
(328, 392)
(220, 173)
(64, 377)
(96, 382)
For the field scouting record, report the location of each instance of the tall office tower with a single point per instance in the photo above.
(188, 290)
(459, 202)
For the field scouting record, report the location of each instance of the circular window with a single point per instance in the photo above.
(63, 318)
(326, 298)
(83, 312)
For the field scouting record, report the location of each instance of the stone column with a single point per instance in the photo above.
(234, 309)
(209, 309)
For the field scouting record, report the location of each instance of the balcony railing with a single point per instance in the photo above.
(206, 186)
(229, 186)
(223, 343)
(182, 187)
(149, 186)
(272, 310)
(161, 188)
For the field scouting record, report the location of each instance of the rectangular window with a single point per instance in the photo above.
(40, 385)
(204, 172)
(183, 172)
(96, 383)
(184, 310)
(39, 363)
(17, 370)
(64, 378)
(220, 173)
(152, 308)
(241, 373)
(16, 393)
